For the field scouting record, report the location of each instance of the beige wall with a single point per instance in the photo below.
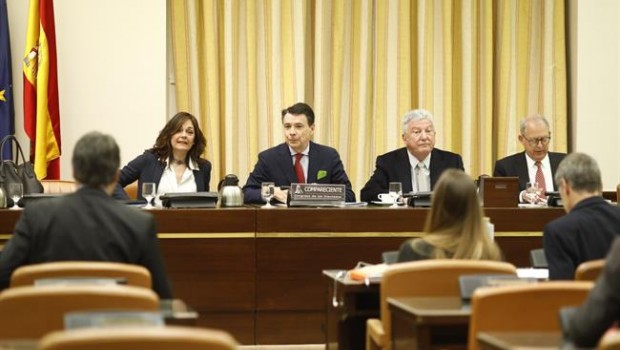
(595, 56)
(112, 71)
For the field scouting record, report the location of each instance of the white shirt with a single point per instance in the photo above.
(168, 182)
(413, 161)
(304, 160)
(545, 165)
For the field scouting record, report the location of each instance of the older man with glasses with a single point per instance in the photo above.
(536, 163)
(416, 166)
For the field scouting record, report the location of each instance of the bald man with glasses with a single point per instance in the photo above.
(535, 163)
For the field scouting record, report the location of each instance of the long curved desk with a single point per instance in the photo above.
(257, 273)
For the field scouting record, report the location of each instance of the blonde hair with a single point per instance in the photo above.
(455, 225)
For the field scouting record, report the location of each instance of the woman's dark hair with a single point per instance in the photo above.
(163, 148)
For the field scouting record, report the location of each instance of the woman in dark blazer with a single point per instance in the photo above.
(174, 163)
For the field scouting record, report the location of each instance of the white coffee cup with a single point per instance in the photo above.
(386, 198)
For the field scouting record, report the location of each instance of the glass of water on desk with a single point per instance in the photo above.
(532, 192)
(267, 191)
(395, 190)
(148, 192)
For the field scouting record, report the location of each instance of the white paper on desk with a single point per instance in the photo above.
(541, 274)
(101, 319)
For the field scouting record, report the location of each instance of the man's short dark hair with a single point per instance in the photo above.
(300, 108)
(96, 158)
(582, 173)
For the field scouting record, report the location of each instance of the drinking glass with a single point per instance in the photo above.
(16, 191)
(148, 192)
(395, 189)
(532, 192)
(267, 191)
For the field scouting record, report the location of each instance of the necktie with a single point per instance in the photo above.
(540, 178)
(422, 178)
(299, 170)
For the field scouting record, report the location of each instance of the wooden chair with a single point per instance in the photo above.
(589, 270)
(528, 308)
(31, 312)
(59, 186)
(166, 338)
(610, 341)
(436, 277)
(132, 190)
(134, 275)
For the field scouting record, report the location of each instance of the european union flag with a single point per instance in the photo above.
(7, 111)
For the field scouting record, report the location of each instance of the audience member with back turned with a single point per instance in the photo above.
(418, 165)
(601, 309)
(297, 160)
(455, 228)
(590, 225)
(87, 225)
(536, 163)
(174, 163)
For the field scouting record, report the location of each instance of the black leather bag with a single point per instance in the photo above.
(12, 171)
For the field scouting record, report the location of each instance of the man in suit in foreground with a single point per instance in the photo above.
(602, 307)
(535, 163)
(87, 225)
(591, 223)
(418, 165)
(297, 160)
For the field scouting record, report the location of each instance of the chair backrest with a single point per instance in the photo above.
(610, 341)
(166, 338)
(59, 186)
(589, 270)
(134, 275)
(132, 190)
(31, 312)
(538, 258)
(435, 277)
(532, 307)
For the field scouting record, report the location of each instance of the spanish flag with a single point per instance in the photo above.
(41, 112)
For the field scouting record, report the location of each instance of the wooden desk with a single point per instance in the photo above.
(519, 340)
(257, 273)
(429, 323)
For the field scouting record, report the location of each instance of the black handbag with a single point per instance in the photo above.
(12, 171)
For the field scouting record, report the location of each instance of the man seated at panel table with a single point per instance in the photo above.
(297, 160)
(535, 163)
(601, 309)
(591, 223)
(87, 225)
(418, 165)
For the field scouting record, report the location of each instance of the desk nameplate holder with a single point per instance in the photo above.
(317, 195)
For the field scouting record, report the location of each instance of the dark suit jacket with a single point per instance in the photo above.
(85, 225)
(146, 168)
(415, 249)
(602, 307)
(394, 166)
(516, 165)
(276, 165)
(585, 233)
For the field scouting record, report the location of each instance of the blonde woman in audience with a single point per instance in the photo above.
(454, 227)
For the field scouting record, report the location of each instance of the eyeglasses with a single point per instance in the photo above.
(533, 142)
(418, 133)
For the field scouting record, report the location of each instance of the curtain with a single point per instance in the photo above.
(480, 66)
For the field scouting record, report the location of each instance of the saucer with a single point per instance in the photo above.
(384, 204)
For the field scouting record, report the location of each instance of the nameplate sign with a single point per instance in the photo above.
(317, 195)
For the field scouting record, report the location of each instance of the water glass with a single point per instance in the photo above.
(395, 190)
(16, 191)
(148, 192)
(267, 191)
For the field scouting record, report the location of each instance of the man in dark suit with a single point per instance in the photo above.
(88, 224)
(297, 160)
(536, 163)
(418, 165)
(602, 308)
(590, 225)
